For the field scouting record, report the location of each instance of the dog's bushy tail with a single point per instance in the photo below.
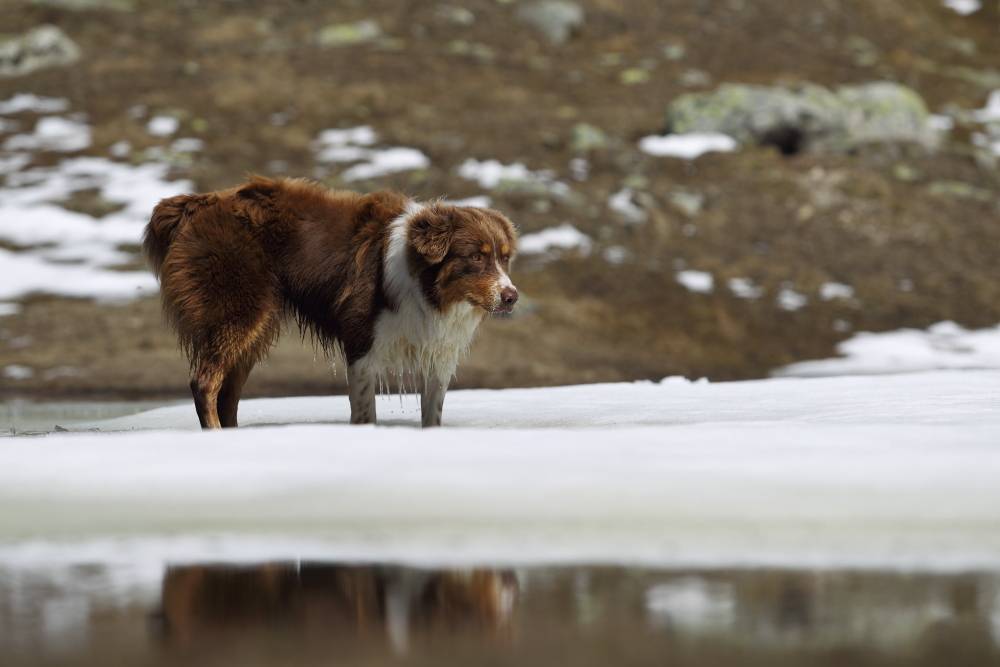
(168, 216)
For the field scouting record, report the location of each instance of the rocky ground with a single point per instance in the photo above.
(912, 228)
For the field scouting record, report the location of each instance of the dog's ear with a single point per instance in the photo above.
(431, 232)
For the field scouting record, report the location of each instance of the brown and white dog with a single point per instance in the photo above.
(397, 286)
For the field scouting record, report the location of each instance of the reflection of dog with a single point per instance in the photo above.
(398, 286)
(203, 604)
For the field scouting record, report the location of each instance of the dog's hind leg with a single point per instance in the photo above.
(205, 386)
(361, 391)
(432, 400)
(229, 394)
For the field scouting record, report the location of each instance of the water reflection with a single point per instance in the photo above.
(331, 613)
(206, 606)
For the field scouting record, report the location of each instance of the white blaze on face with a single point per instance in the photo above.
(502, 283)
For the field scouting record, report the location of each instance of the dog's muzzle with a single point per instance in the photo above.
(508, 297)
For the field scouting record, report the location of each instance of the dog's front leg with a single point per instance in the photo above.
(432, 400)
(361, 390)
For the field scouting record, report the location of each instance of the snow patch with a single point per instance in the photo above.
(480, 201)
(743, 288)
(7, 308)
(688, 146)
(563, 237)
(162, 126)
(991, 112)
(790, 300)
(963, 7)
(830, 291)
(18, 372)
(350, 145)
(621, 202)
(701, 282)
(68, 252)
(943, 345)
(30, 102)
(52, 133)
(491, 174)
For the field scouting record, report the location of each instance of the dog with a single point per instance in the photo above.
(394, 285)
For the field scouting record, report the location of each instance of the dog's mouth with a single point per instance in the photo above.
(501, 308)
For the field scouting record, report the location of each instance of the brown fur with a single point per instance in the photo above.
(232, 263)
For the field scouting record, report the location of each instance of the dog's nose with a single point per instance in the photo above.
(508, 297)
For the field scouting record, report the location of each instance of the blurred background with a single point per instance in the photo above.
(862, 194)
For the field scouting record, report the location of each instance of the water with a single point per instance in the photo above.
(334, 613)
(24, 417)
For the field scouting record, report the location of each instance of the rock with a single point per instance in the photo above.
(674, 51)
(347, 34)
(455, 15)
(809, 119)
(556, 18)
(41, 47)
(633, 76)
(587, 137)
(960, 190)
(688, 203)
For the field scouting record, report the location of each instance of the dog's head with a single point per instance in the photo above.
(463, 253)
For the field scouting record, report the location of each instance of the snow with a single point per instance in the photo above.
(940, 122)
(621, 202)
(71, 249)
(563, 237)
(66, 252)
(349, 145)
(388, 161)
(479, 201)
(52, 133)
(743, 288)
(963, 7)
(991, 112)
(830, 291)
(162, 126)
(30, 102)
(880, 471)
(490, 174)
(790, 300)
(7, 308)
(687, 146)
(943, 345)
(696, 281)
(617, 254)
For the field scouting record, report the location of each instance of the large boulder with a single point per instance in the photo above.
(810, 118)
(41, 47)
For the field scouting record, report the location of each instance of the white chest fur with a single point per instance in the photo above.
(412, 337)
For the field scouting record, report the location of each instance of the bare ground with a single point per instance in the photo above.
(496, 88)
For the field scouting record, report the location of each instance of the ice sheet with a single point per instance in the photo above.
(895, 471)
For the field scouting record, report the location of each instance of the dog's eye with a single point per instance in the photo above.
(506, 258)
(476, 257)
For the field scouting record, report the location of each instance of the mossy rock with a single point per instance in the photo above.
(811, 118)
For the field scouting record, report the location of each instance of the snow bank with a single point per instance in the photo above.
(943, 345)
